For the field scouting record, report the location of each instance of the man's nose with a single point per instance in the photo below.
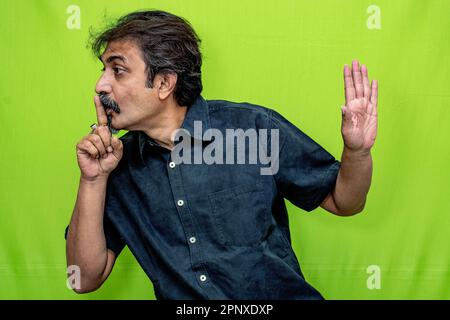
(103, 85)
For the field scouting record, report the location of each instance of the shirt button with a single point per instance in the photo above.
(192, 240)
(172, 164)
(180, 203)
(202, 278)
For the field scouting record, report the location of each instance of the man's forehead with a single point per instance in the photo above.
(124, 50)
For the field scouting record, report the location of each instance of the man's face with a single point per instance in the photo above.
(124, 82)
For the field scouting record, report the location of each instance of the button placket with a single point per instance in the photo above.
(188, 224)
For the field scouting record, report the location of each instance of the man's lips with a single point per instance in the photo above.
(109, 112)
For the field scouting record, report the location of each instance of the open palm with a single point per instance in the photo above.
(359, 123)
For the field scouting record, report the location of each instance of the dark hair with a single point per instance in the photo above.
(168, 44)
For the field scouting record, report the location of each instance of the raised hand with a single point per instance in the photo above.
(98, 153)
(359, 121)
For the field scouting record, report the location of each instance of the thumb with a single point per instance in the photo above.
(117, 146)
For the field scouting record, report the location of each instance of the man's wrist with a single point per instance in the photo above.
(97, 180)
(360, 154)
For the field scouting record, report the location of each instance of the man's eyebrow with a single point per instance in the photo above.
(114, 57)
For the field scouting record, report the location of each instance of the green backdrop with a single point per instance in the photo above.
(286, 55)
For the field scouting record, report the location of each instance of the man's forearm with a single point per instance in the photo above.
(86, 245)
(353, 181)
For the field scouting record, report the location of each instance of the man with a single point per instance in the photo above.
(202, 230)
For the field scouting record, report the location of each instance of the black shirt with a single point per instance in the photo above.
(217, 231)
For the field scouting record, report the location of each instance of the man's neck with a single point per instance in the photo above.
(162, 127)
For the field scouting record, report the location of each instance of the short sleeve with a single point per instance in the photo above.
(114, 241)
(307, 172)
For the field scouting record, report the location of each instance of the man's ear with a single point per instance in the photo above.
(165, 84)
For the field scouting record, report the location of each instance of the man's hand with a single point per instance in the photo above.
(359, 122)
(359, 130)
(98, 153)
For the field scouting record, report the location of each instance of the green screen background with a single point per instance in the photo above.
(286, 55)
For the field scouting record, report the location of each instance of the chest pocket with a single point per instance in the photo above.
(240, 215)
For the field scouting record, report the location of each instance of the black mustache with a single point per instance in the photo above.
(109, 103)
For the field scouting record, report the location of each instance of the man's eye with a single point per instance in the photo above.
(117, 70)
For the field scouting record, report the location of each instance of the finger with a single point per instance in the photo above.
(357, 79)
(97, 142)
(374, 96)
(366, 85)
(349, 88)
(87, 147)
(102, 120)
(105, 135)
(117, 147)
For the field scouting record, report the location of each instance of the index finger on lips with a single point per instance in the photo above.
(102, 120)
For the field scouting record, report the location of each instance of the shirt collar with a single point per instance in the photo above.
(198, 111)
